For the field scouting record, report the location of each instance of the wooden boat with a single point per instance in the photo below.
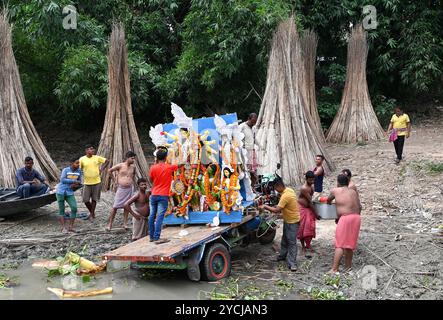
(11, 203)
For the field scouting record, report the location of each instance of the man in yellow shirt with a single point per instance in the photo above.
(401, 124)
(288, 208)
(92, 166)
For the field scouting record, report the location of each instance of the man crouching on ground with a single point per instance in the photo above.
(288, 207)
(141, 213)
(348, 227)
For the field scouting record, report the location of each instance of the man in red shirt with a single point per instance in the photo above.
(160, 176)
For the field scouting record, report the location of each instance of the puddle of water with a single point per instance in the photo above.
(127, 284)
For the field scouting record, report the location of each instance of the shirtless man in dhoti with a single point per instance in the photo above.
(141, 212)
(306, 231)
(125, 187)
(348, 227)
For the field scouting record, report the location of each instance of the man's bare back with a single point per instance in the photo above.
(346, 200)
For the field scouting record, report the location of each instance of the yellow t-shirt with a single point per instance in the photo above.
(289, 204)
(91, 169)
(400, 123)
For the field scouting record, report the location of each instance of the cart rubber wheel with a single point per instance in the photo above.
(268, 237)
(216, 263)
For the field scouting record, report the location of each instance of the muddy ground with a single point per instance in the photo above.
(399, 255)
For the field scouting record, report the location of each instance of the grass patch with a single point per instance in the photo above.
(429, 167)
(8, 282)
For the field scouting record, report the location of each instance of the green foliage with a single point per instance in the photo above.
(82, 80)
(383, 108)
(211, 56)
(225, 48)
(332, 77)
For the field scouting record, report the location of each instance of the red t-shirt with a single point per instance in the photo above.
(161, 176)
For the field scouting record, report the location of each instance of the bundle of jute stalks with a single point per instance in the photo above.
(309, 42)
(356, 120)
(286, 132)
(119, 132)
(18, 136)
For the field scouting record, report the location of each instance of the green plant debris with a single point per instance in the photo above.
(8, 282)
(325, 294)
(86, 278)
(69, 264)
(428, 166)
(336, 281)
(230, 290)
(332, 280)
(285, 285)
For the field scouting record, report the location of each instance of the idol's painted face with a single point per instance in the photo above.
(227, 173)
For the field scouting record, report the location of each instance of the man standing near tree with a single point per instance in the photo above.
(92, 166)
(247, 128)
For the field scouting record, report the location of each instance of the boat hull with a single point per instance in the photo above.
(10, 205)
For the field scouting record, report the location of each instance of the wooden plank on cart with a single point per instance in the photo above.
(144, 250)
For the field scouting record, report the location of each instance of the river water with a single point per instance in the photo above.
(127, 284)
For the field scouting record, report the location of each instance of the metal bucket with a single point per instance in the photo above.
(326, 211)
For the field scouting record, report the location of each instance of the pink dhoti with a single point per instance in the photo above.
(307, 223)
(252, 164)
(348, 228)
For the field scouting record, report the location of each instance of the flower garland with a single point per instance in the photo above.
(187, 196)
(229, 196)
(210, 199)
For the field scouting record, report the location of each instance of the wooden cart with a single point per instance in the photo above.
(204, 251)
